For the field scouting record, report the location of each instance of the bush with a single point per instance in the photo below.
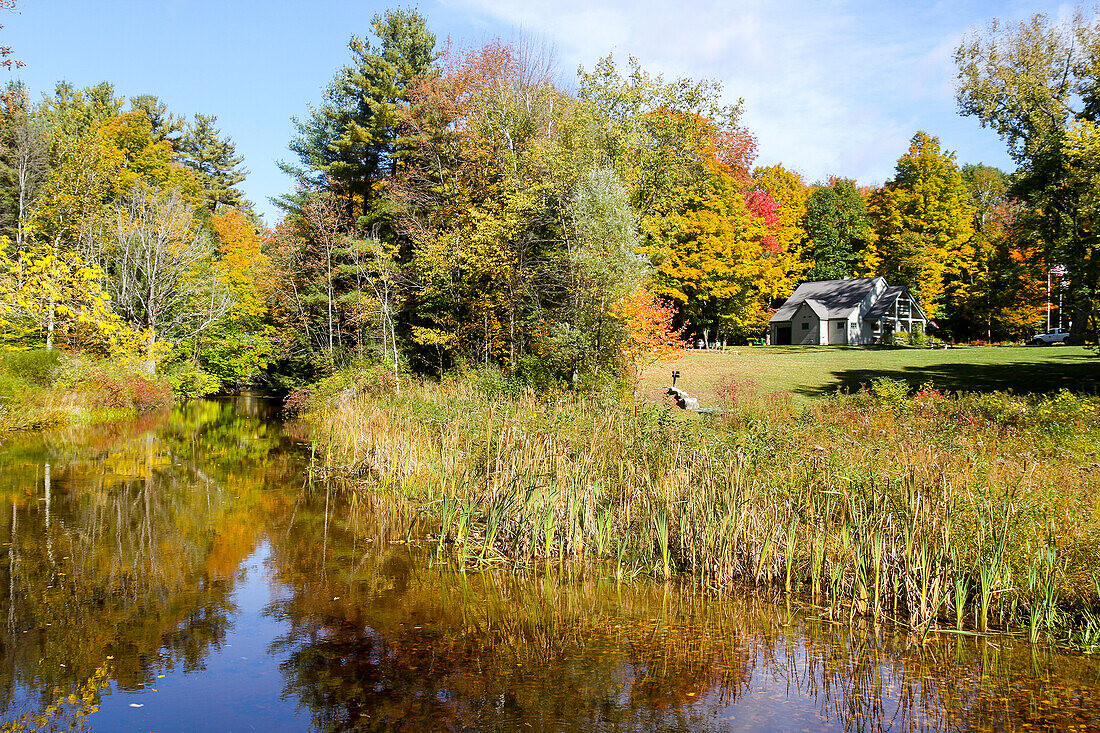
(189, 381)
(38, 366)
(494, 383)
(359, 379)
(298, 401)
(125, 391)
(889, 391)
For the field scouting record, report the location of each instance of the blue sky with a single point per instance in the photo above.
(830, 87)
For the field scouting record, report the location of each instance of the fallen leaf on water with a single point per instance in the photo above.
(137, 705)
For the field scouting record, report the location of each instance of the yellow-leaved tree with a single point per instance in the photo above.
(924, 223)
(49, 298)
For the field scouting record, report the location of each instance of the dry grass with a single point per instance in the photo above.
(972, 511)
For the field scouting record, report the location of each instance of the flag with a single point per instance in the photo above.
(1058, 270)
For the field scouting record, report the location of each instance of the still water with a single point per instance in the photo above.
(176, 573)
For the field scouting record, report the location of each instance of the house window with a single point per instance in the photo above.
(805, 326)
(840, 326)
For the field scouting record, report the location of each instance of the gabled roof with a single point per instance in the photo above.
(817, 307)
(886, 300)
(834, 298)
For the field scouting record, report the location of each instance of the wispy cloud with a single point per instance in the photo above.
(834, 87)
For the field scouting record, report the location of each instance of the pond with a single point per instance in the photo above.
(179, 573)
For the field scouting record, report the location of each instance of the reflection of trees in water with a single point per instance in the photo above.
(131, 547)
(123, 540)
(378, 640)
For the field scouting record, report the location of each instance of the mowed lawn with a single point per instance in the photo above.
(809, 372)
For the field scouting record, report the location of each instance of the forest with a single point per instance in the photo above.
(471, 207)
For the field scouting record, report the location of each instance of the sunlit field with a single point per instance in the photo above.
(808, 373)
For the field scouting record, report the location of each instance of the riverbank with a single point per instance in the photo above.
(972, 512)
(40, 389)
(174, 558)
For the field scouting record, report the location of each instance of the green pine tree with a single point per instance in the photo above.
(215, 159)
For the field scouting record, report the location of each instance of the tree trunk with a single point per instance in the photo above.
(50, 320)
(150, 357)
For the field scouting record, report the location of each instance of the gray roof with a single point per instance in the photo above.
(836, 297)
(885, 301)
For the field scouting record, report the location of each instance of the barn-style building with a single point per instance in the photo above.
(850, 311)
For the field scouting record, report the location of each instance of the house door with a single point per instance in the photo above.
(783, 335)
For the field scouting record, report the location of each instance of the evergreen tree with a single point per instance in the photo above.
(215, 160)
(165, 125)
(351, 140)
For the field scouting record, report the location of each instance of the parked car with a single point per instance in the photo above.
(1053, 336)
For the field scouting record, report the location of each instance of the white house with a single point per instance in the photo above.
(850, 311)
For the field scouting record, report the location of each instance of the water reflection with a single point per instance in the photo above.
(122, 543)
(182, 554)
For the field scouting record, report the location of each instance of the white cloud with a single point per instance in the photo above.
(829, 87)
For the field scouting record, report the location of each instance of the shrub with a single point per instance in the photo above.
(298, 401)
(125, 391)
(189, 381)
(38, 366)
(889, 391)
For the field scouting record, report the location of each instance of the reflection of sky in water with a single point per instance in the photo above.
(239, 689)
(332, 627)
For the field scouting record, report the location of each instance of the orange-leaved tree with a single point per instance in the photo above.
(648, 333)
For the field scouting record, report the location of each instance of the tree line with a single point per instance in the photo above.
(124, 234)
(457, 207)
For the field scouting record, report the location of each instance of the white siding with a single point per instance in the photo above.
(838, 332)
(805, 326)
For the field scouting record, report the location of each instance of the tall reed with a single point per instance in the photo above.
(881, 510)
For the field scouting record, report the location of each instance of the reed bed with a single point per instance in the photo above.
(972, 512)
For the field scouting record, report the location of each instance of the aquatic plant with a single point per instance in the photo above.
(875, 504)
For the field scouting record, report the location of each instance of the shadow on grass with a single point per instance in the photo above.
(1023, 376)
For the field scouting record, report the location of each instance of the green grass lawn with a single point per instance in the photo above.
(809, 372)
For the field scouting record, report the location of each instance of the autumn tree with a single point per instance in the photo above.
(662, 136)
(160, 267)
(48, 297)
(237, 348)
(650, 336)
(924, 223)
(481, 199)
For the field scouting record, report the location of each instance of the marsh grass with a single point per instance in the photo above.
(968, 511)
